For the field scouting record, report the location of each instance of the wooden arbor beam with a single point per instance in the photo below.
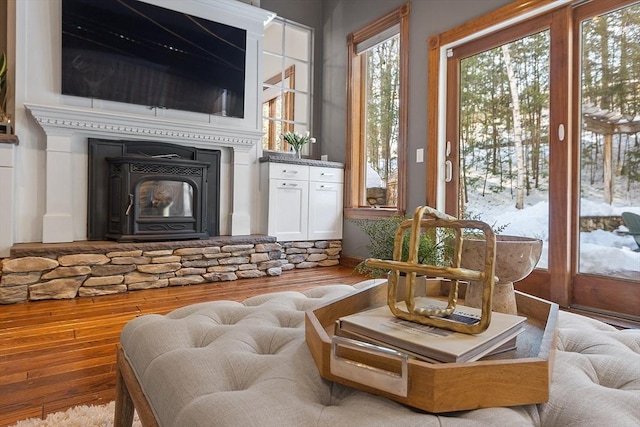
(607, 123)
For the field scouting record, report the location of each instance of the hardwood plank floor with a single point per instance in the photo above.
(58, 354)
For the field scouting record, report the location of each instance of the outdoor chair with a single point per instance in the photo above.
(632, 222)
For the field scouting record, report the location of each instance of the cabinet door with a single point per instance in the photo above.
(325, 210)
(288, 209)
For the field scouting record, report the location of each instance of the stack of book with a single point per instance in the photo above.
(380, 327)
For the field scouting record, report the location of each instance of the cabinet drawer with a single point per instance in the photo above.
(287, 171)
(326, 174)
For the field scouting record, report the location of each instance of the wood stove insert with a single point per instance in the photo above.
(152, 191)
(155, 198)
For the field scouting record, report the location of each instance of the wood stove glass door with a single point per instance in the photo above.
(165, 198)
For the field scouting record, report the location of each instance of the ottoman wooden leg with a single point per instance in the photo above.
(129, 396)
(123, 416)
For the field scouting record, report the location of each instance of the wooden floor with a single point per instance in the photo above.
(58, 354)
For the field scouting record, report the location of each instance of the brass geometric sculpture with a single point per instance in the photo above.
(428, 218)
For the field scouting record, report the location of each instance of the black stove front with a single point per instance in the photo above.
(154, 198)
(150, 191)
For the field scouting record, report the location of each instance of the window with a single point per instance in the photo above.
(286, 96)
(377, 117)
(569, 109)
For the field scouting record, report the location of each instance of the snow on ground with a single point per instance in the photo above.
(601, 252)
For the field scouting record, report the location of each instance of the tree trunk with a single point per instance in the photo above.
(517, 129)
(607, 159)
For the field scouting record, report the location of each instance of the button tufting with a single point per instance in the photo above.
(229, 363)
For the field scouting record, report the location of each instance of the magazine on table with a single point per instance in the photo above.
(379, 326)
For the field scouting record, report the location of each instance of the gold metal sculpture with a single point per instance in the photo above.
(429, 218)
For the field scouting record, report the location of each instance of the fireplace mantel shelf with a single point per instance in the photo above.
(64, 120)
(9, 139)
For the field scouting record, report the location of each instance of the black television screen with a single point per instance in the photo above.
(138, 53)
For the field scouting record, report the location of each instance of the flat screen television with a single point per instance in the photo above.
(138, 53)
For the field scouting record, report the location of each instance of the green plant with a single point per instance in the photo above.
(432, 249)
(296, 140)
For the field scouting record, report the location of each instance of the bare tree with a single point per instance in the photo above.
(382, 111)
(517, 128)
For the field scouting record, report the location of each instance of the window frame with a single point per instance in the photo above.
(355, 162)
(283, 82)
(287, 98)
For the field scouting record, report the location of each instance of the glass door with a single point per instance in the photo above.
(501, 143)
(608, 154)
(542, 140)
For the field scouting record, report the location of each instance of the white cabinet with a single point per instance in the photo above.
(301, 202)
(325, 203)
(288, 201)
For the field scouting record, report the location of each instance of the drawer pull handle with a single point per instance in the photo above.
(289, 171)
(326, 174)
(328, 187)
(290, 185)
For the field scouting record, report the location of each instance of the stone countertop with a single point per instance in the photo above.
(293, 160)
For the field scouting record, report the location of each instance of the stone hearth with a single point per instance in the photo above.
(37, 271)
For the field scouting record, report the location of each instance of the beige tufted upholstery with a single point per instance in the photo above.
(225, 363)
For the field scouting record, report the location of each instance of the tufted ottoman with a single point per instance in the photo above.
(226, 363)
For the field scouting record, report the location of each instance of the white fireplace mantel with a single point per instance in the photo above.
(60, 123)
(62, 120)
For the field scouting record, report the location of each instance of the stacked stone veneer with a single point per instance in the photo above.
(60, 272)
(607, 223)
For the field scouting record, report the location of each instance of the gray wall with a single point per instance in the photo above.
(3, 25)
(333, 20)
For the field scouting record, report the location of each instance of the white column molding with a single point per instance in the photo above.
(57, 223)
(242, 194)
(7, 197)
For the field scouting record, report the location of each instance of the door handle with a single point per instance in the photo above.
(130, 205)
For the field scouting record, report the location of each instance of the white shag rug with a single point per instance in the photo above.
(78, 416)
